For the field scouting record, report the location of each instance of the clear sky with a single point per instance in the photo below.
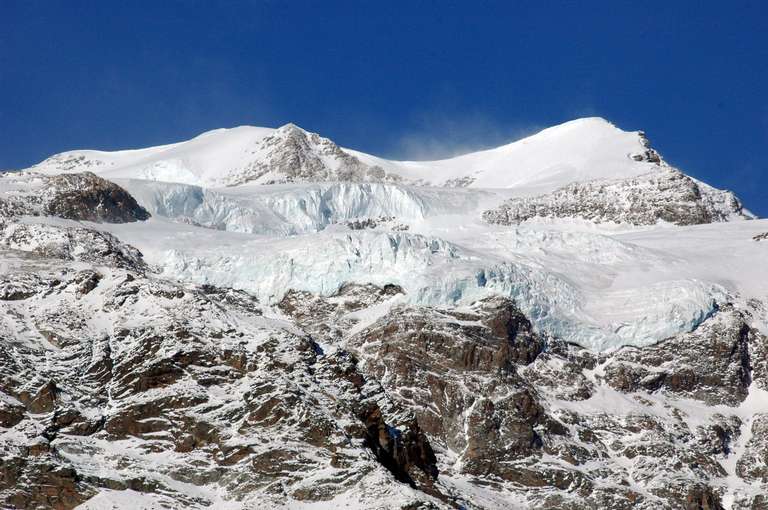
(413, 79)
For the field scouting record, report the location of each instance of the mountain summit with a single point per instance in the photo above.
(259, 318)
(579, 150)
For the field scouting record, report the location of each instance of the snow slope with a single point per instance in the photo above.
(595, 242)
(196, 161)
(342, 216)
(579, 150)
(292, 209)
(588, 288)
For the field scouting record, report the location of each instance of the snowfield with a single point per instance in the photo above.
(259, 318)
(597, 290)
(600, 285)
(580, 150)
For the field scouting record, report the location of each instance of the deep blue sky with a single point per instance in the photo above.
(410, 79)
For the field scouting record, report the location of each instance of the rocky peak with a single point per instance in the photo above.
(649, 154)
(291, 129)
(291, 154)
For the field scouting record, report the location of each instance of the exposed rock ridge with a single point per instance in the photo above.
(122, 389)
(239, 403)
(79, 196)
(294, 155)
(70, 243)
(504, 405)
(664, 195)
(230, 400)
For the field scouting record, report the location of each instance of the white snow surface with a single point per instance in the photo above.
(290, 209)
(600, 289)
(579, 150)
(599, 285)
(198, 161)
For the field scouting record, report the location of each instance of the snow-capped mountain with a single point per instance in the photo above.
(580, 150)
(259, 318)
(227, 157)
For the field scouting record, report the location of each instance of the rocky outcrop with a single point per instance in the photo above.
(328, 318)
(291, 154)
(665, 195)
(225, 399)
(457, 371)
(650, 154)
(753, 465)
(501, 403)
(372, 223)
(471, 377)
(78, 196)
(711, 364)
(69, 243)
(87, 197)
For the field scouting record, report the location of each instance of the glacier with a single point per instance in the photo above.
(273, 320)
(283, 210)
(270, 210)
(434, 271)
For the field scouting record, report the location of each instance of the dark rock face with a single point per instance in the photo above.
(718, 437)
(485, 388)
(325, 317)
(228, 399)
(88, 197)
(11, 412)
(40, 483)
(665, 195)
(79, 196)
(407, 455)
(519, 344)
(429, 356)
(711, 365)
(753, 466)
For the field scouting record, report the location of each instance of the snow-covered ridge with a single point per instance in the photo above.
(578, 150)
(583, 149)
(228, 157)
(270, 211)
